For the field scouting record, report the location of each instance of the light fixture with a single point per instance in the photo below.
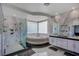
(56, 13)
(73, 8)
(46, 4)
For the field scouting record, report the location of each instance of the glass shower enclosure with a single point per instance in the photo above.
(13, 33)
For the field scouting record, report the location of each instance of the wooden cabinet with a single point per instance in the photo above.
(76, 47)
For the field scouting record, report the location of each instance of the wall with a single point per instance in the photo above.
(65, 19)
(51, 21)
(50, 25)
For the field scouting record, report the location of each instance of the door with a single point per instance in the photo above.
(23, 32)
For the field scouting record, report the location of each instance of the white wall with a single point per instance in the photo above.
(50, 25)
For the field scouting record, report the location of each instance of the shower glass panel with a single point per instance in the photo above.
(1, 32)
(23, 32)
(0, 38)
(14, 34)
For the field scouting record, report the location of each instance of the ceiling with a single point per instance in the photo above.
(41, 9)
(36, 18)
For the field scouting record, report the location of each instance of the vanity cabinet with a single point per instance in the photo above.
(76, 47)
(52, 41)
(61, 43)
(58, 42)
(65, 43)
(71, 45)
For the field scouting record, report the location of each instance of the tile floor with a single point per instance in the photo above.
(45, 51)
(15, 47)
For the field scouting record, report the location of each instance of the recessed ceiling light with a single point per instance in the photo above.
(56, 13)
(73, 8)
(14, 15)
(46, 4)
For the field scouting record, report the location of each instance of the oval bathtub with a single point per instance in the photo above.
(37, 38)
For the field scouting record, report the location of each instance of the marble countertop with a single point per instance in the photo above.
(66, 37)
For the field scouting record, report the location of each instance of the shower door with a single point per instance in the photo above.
(10, 36)
(23, 32)
(1, 43)
(1, 32)
(14, 34)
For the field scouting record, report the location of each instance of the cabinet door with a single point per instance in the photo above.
(65, 43)
(54, 41)
(76, 46)
(59, 42)
(62, 43)
(71, 45)
(50, 40)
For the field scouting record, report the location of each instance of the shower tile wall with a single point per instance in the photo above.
(1, 22)
(16, 37)
(0, 44)
(9, 42)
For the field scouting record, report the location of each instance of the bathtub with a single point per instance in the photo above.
(37, 38)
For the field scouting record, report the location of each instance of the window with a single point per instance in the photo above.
(43, 27)
(31, 27)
